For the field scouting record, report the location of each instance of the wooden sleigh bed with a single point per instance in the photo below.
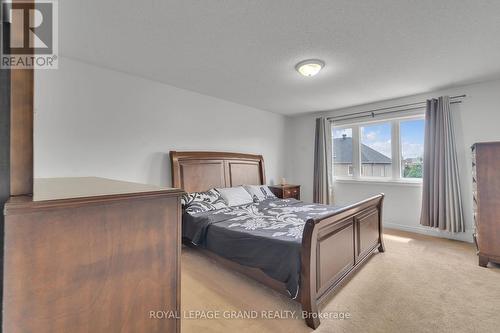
(333, 246)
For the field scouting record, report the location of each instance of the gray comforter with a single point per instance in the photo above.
(266, 235)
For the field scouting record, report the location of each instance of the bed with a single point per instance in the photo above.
(305, 251)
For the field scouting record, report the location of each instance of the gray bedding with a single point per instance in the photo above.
(266, 235)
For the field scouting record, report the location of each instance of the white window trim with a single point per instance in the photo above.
(380, 181)
(350, 170)
(396, 152)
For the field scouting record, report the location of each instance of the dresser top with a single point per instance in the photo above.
(45, 189)
(73, 192)
(488, 143)
(284, 186)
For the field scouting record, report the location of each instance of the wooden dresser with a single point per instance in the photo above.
(486, 196)
(92, 255)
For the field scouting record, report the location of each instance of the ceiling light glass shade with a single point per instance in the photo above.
(309, 67)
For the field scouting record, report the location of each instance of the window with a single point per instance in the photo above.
(376, 151)
(391, 149)
(342, 152)
(412, 148)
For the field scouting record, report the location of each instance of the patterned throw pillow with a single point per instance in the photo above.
(198, 202)
(259, 192)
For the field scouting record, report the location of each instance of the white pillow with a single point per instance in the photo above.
(259, 192)
(235, 196)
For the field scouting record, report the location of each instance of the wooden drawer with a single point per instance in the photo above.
(286, 191)
(291, 193)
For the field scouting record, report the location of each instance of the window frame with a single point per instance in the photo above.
(372, 123)
(401, 172)
(396, 150)
(350, 170)
(351, 166)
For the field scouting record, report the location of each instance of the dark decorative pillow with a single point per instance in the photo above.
(198, 202)
(259, 192)
(267, 192)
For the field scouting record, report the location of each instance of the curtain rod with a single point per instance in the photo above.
(389, 109)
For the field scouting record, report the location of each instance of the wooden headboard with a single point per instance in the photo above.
(196, 171)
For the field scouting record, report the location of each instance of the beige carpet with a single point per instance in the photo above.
(421, 284)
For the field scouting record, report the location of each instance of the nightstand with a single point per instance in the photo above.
(286, 191)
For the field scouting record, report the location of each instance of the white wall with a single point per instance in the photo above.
(90, 121)
(476, 119)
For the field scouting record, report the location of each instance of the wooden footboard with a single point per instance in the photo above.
(333, 247)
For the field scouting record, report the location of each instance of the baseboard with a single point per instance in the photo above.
(462, 236)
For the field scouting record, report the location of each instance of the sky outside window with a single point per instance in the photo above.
(412, 138)
(412, 147)
(377, 137)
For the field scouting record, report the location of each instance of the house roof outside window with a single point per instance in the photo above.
(342, 153)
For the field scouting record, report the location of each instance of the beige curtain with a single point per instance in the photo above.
(441, 199)
(322, 183)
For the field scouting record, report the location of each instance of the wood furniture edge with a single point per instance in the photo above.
(484, 161)
(177, 156)
(179, 260)
(25, 204)
(285, 185)
(21, 122)
(213, 155)
(485, 143)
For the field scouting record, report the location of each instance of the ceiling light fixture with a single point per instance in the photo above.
(310, 67)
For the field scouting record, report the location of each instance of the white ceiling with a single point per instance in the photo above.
(245, 50)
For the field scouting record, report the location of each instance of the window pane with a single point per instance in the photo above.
(375, 150)
(342, 152)
(412, 148)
